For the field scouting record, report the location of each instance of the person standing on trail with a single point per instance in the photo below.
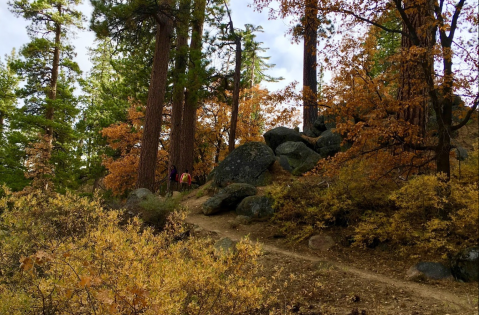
(173, 179)
(185, 181)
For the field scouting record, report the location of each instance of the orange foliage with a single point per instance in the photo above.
(259, 111)
(370, 114)
(125, 138)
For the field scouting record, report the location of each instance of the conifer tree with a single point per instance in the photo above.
(130, 22)
(48, 68)
(12, 154)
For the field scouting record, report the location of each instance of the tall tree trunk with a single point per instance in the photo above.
(154, 106)
(52, 94)
(236, 91)
(413, 93)
(195, 72)
(310, 80)
(179, 82)
(2, 123)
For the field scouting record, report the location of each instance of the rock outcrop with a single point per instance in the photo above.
(298, 156)
(255, 207)
(248, 164)
(279, 135)
(228, 198)
(428, 270)
(465, 265)
(291, 145)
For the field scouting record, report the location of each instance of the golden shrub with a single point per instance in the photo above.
(430, 214)
(111, 269)
(311, 203)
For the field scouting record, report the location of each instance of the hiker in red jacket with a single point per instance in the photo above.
(185, 180)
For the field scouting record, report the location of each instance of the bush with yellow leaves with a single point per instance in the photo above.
(430, 213)
(66, 255)
(309, 204)
(427, 212)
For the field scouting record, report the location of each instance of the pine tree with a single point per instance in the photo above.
(12, 154)
(48, 68)
(131, 22)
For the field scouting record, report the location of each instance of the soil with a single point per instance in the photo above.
(341, 280)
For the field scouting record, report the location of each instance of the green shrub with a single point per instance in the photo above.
(154, 211)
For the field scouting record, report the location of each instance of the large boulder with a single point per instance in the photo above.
(248, 163)
(328, 144)
(299, 156)
(465, 265)
(318, 127)
(428, 270)
(255, 207)
(228, 198)
(275, 137)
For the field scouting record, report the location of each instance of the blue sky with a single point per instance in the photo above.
(287, 57)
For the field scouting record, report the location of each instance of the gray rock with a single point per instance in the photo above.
(225, 246)
(300, 158)
(248, 163)
(428, 270)
(461, 153)
(255, 207)
(321, 242)
(328, 144)
(465, 265)
(275, 137)
(320, 125)
(141, 193)
(228, 198)
(136, 196)
(283, 161)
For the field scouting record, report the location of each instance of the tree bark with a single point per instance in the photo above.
(52, 93)
(154, 107)
(413, 92)
(236, 91)
(194, 85)
(179, 82)
(310, 80)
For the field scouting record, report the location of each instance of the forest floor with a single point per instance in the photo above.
(341, 280)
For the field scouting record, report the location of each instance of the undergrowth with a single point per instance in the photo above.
(426, 213)
(62, 254)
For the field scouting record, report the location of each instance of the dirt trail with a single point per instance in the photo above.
(447, 301)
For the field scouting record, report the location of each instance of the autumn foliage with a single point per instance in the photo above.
(425, 213)
(259, 111)
(61, 254)
(124, 138)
